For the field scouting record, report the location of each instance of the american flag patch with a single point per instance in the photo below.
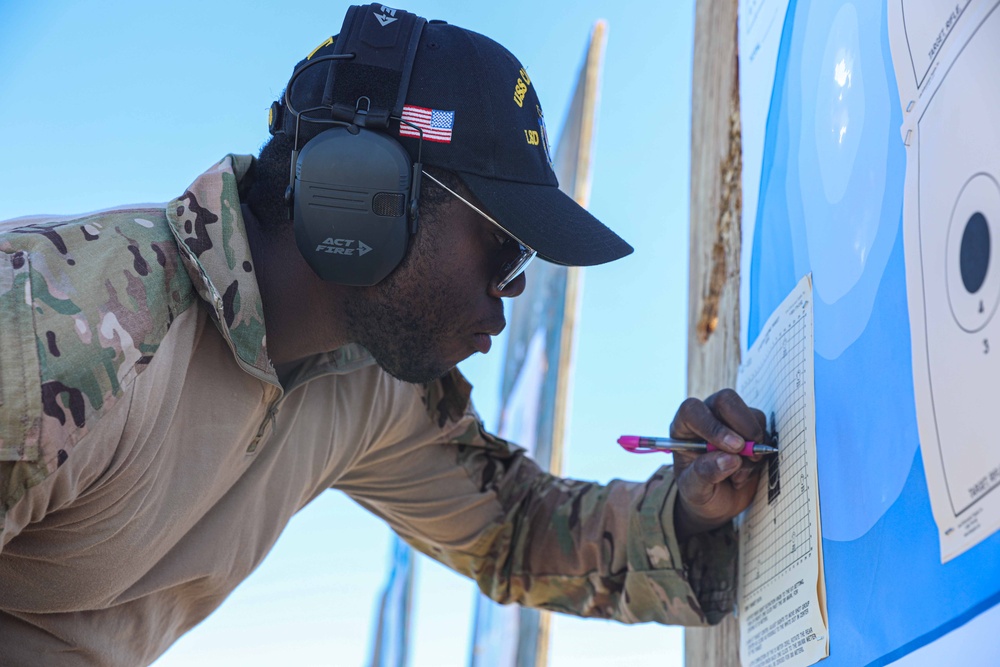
(436, 124)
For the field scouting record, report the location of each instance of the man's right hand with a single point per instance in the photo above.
(716, 486)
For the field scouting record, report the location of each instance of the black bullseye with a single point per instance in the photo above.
(974, 255)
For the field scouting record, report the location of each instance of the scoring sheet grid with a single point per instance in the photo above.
(778, 534)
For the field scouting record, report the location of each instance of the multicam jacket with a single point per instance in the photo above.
(149, 456)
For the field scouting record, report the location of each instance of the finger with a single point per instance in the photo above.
(695, 421)
(706, 473)
(740, 475)
(730, 409)
(685, 458)
(766, 439)
(682, 460)
(706, 498)
(762, 421)
(747, 474)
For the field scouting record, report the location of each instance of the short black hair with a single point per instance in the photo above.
(269, 181)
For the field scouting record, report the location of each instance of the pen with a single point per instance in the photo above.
(644, 445)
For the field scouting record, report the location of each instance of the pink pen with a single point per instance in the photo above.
(644, 445)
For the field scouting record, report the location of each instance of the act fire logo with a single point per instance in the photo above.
(348, 247)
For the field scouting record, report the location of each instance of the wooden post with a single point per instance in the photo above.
(716, 204)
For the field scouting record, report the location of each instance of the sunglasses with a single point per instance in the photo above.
(512, 268)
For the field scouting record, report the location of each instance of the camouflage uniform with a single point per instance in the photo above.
(149, 456)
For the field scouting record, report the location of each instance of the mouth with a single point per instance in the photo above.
(483, 340)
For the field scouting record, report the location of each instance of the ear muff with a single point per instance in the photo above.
(351, 200)
(353, 187)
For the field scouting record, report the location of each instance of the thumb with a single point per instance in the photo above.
(698, 482)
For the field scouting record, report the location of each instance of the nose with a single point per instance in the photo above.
(513, 289)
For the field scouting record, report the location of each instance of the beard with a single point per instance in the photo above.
(420, 320)
(405, 320)
(400, 335)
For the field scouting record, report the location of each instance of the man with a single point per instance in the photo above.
(177, 381)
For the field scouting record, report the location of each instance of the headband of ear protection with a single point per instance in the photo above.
(353, 189)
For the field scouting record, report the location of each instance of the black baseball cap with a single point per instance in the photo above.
(480, 118)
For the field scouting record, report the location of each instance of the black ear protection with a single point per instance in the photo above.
(353, 189)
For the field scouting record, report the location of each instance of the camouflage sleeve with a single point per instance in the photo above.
(605, 551)
(84, 304)
(20, 402)
(528, 537)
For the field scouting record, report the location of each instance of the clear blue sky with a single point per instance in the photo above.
(115, 102)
